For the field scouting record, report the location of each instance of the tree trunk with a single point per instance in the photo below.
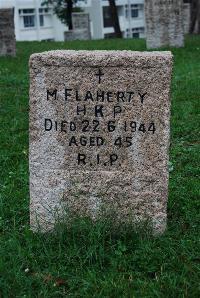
(69, 13)
(195, 16)
(115, 19)
(198, 19)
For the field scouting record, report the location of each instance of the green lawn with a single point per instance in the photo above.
(92, 260)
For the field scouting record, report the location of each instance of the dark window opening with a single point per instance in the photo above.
(107, 20)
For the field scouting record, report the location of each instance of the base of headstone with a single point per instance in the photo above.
(78, 34)
(99, 136)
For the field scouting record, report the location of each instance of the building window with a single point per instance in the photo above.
(127, 34)
(41, 20)
(132, 11)
(136, 35)
(109, 35)
(107, 21)
(45, 17)
(26, 11)
(136, 32)
(29, 21)
(28, 17)
(43, 10)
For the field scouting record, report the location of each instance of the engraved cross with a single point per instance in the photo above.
(99, 74)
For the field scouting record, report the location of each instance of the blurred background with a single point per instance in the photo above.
(59, 20)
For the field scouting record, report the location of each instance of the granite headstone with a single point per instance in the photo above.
(164, 23)
(81, 27)
(99, 135)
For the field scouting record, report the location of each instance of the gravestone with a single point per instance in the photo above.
(78, 34)
(7, 32)
(164, 23)
(81, 27)
(99, 135)
(186, 17)
(81, 20)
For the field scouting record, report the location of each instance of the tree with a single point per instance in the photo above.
(115, 18)
(63, 9)
(195, 16)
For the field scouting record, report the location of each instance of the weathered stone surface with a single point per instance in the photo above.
(164, 23)
(78, 34)
(104, 144)
(7, 32)
(80, 20)
(81, 27)
(186, 17)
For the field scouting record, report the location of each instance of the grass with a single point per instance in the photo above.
(92, 260)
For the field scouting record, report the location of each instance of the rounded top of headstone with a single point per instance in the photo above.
(101, 58)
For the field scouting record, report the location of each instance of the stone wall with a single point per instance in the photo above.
(7, 32)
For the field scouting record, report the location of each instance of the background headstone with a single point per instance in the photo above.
(7, 32)
(186, 17)
(78, 34)
(80, 20)
(99, 135)
(81, 27)
(164, 23)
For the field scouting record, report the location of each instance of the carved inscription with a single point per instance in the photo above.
(106, 134)
(99, 136)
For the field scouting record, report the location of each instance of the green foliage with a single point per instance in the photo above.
(63, 9)
(92, 260)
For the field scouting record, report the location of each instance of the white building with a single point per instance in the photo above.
(36, 22)
(130, 12)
